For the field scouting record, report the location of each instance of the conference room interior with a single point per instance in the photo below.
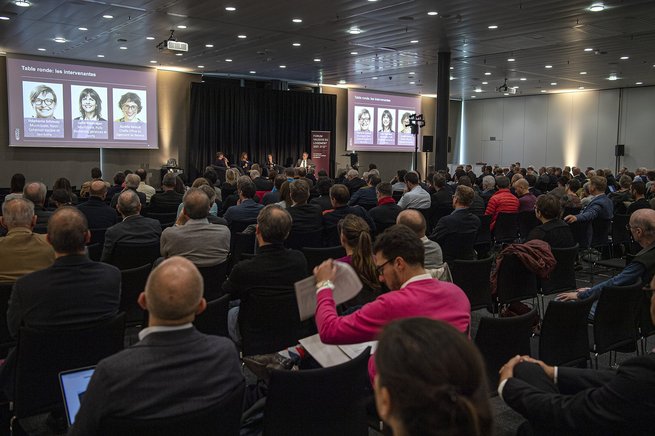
(548, 121)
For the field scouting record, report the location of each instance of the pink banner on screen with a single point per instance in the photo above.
(321, 150)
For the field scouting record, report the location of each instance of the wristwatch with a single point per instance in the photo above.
(324, 284)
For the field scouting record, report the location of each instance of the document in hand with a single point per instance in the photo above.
(346, 286)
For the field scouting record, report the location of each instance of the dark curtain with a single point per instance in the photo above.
(256, 121)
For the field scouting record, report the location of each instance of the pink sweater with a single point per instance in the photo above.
(428, 298)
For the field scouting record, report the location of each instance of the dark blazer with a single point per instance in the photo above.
(114, 199)
(355, 184)
(323, 201)
(459, 221)
(42, 214)
(332, 217)
(594, 402)
(310, 164)
(168, 373)
(165, 202)
(364, 197)
(306, 217)
(556, 232)
(247, 211)
(98, 214)
(271, 197)
(135, 229)
(263, 184)
(385, 215)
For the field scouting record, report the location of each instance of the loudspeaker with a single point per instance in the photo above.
(619, 150)
(427, 144)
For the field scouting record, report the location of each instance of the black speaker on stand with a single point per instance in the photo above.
(619, 151)
(427, 148)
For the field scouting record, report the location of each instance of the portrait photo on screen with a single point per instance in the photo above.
(403, 122)
(130, 114)
(363, 124)
(386, 131)
(43, 100)
(89, 112)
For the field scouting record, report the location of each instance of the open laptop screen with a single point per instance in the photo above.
(73, 386)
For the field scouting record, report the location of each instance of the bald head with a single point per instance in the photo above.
(98, 189)
(132, 181)
(35, 192)
(521, 186)
(18, 213)
(68, 231)
(642, 222)
(128, 203)
(196, 203)
(174, 291)
(413, 219)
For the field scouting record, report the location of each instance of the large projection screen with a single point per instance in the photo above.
(379, 122)
(54, 104)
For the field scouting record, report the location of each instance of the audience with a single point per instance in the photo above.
(339, 196)
(96, 174)
(98, 214)
(501, 201)
(246, 209)
(16, 186)
(552, 229)
(306, 218)
(148, 190)
(323, 186)
(526, 198)
(600, 206)
(366, 197)
(385, 213)
(415, 197)
(431, 380)
(35, 192)
(638, 192)
(416, 222)
(168, 200)
(131, 184)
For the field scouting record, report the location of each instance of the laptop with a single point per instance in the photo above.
(73, 386)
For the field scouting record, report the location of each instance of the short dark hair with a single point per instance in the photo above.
(299, 191)
(374, 180)
(279, 180)
(340, 193)
(96, 173)
(196, 203)
(400, 241)
(502, 182)
(598, 182)
(246, 187)
(549, 206)
(384, 188)
(169, 180)
(141, 173)
(17, 182)
(411, 177)
(465, 181)
(531, 178)
(323, 185)
(274, 224)
(574, 184)
(464, 195)
(638, 187)
(439, 181)
(119, 178)
(67, 228)
(401, 175)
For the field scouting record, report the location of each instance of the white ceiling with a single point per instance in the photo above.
(534, 33)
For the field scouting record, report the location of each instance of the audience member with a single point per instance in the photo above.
(98, 214)
(274, 196)
(193, 236)
(600, 207)
(570, 199)
(366, 197)
(526, 198)
(246, 210)
(131, 184)
(133, 229)
(16, 186)
(285, 195)
(211, 194)
(119, 182)
(354, 182)
(35, 192)
(477, 206)
(306, 218)
(173, 369)
(167, 201)
(148, 190)
(261, 184)
(416, 222)
(323, 186)
(488, 188)
(22, 251)
(385, 213)
(62, 183)
(416, 197)
(199, 183)
(339, 195)
(501, 201)
(398, 183)
(638, 192)
(96, 174)
(442, 197)
(552, 229)
(431, 380)
(60, 198)
(622, 196)
(399, 257)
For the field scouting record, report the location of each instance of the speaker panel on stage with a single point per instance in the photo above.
(427, 144)
(619, 150)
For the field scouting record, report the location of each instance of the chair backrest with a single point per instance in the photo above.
(163, 217)
(6, 341)
(527, 222)
(297, 240)
(97, 236)
(507, 227)
(43, 354)
(473, 277)
(127, 256)
(620, 234)
(646, 326)
(241, 243)
(94, 251)
(220, 419)
(269, 321)
(562, 278)
(329, 401)
(213, 278)
(500, 339)
(483, 239)
(133, 282)
(580, 232)
(458, 246)
(564, 338)
(240, 226)
(615, 319)
(515, 281)
(213, 321)
(315, 256)
(438, 212)
(600, 232)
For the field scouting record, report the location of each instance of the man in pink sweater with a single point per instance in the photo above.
(399, 257)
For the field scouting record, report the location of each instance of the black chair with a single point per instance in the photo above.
(97, 236)
(213, 321)
(133, 282)
(315, 256)
(515, 282)
(562, 278)
(213, 277)
(438, 212)
(269, 321)
(221, 419)
(163, 218)
(42, 354)
(240, 226)
(621, 245)
(241, 243)
(483, 239)
(580, 233)
(397, 195)
(646, 327)
(297, 240)
(473, 277)
(127, 256)
(41, 229)
(6, 341)
(615, 321)
(527, 222)
(321, 402)
(506, 228)
(564, 338)
(458, 246)
(94, 251)
(500, 339)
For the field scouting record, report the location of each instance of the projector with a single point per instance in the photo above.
(177, 45)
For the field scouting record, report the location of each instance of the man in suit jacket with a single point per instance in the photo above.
(173, 369)
(560, 400)
(35, 192)
(600, 207)
(385, 213)
(22, 251)
(98, 214)
(305, 161)
(167, 201)
(460, 221)
(339, 196)
(193, 236)
(131, 182)
(134, 229)
(305, 217)
(247, 209)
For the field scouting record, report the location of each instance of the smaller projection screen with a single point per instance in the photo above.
(380, 122)
(55, 104)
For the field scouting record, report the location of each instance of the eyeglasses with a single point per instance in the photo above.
(41, 102)
(365, 120)
(380, 269)
(127, 107)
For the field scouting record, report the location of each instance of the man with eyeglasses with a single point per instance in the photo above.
(642, 267)
(399, 260)
(44, 102)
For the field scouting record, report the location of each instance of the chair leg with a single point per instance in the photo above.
(595, 360)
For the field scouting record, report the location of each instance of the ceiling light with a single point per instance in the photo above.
(487, 73)
(296, 44)
(553, 83)
(253, 72)
(82, 28)
(374, 78)
(178, 54)
(452, 68)
(511, 60)
(412, 83)
(639, 83)
(474, 96)
(181, 26)
(548, 66)
(317, 59)
(3, 18)
(242, 36)
(201, 66)
(452, 78)
(209, 45)
(414, 41)
(588, 49)
(150, 38)
(612, 77)
(283, 66)
(543, 90)
(433, 13)
(583, 72)
(41, 49)
(354, 30)
(228, 60)
(122, 47)
(485, 83)
(523, 79)
(506, 93)
(107, 16)
(580, 87)
(153, 62)
(625, 58)
(354, 52)
(596, 7)
(342, 82)
(101, 56)
(478, 89)
(60, 40)
(230, 8)
(493, 27)
(22, 3)
(297, 20)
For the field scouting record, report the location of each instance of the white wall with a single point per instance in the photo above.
(577, 128)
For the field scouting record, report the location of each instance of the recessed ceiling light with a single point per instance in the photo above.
(122, 47)
(354, 52)
(588, 49)
(296, 44)
(583, 72)
(101, 56)
(181, 26)
(553, 83)
(412, 83)
(107, 16)
(493, 27)
(317, 59)
(612, 77)
(452, 78)
(506, 93)
(230, 8)
(22, 3)
(82, 28)
(511, 60)
(485, 83)
(41, 49)
(354, 30)
(625, 58)
(178, 54)
(60, 40)
(487, 73)
(201, 66)
(474, 96)
(548, 66)
(228, 60)
(209, 45)
(153, 62)
(639, 83)
(452, 68)
(597, 7)
(242, 36)
(543, 90)
(433, 13)
(374, 78)
(253, 72)
(414, 41)
(150, 38)
(478, 89)
(342, 82)
(580, 87)
(3, 18)
(523, 79)
(297, 20)
(283, 66)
